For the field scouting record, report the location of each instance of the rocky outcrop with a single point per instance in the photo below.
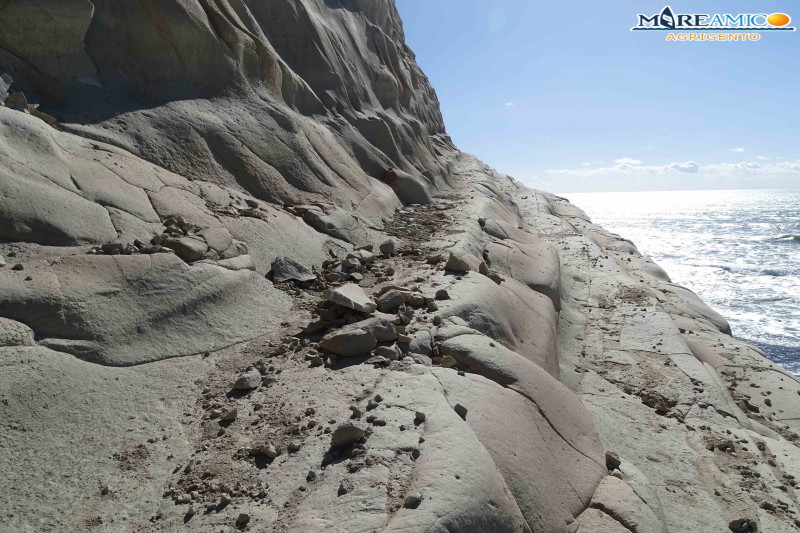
(249, 283)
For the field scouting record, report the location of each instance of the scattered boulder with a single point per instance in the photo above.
(351, 296)
(387, 247)
(442, 294)
(390, 301)
(743, 525)
(349, 342)
(230, 415)
(286, 269)
(17, 101)
(380, 326)
(269, 450)
(18, 267)
(456, 264)
(363, 256)
(345, 434)
(460, 410)
(187, 248)
(378, 360)
(249, 381)
(242, 520)
(392, 353)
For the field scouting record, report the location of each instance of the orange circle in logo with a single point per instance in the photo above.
(779, 19)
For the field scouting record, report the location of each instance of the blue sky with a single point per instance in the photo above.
(562, 96)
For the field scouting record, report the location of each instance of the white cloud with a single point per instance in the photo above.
(633, 168)
(762, 158)
(690, 166)
(509, 104)
(586, 164)
(740, 150)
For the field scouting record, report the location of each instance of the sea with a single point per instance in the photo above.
(739, 250)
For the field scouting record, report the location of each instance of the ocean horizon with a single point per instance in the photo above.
(738, 249)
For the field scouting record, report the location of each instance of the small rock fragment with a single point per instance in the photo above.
(413, 501)
(442, 294)
(460, 410)
(230, 415)
(345, 486)
(249, 381)
(269, 450)
(448, 361)
(18, 266)
(242, 520)
(456, 264)
(419, 416)
(378, 360)
(390, 352)
(387, 247)
(743, 525)
(612, 460)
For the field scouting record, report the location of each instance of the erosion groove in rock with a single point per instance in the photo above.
(248, 282)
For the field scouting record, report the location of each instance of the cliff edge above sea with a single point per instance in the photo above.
(247, 282)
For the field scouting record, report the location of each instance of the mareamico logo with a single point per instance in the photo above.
(668, 20)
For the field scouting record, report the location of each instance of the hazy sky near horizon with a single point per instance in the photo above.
(562, 96)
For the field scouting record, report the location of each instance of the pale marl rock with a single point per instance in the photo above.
(13, 333)
(617, 499)
(249, 381)
(347, 433)
(351, 296)
(285, 269)
(218, 239)
(456, 263)
(523, 445)
(222, 95)
(187, 248)
(501, 312)
(349, 342)
(100, 307)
